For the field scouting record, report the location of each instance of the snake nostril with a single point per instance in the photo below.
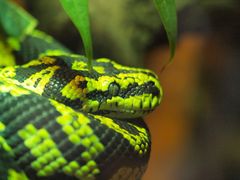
(113, 88)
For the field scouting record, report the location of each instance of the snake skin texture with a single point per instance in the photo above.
(58, 119)
(86, 138)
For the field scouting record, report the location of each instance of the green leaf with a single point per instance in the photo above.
(14, 21)
(77, 10)
(168, 15)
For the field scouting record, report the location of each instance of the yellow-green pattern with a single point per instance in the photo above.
(46, 138)
(59, 120)
(110, 89)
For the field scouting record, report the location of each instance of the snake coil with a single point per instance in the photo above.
(58, 120)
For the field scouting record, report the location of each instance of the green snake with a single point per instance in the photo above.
(60, 120)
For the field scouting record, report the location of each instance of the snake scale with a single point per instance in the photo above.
(60, 120)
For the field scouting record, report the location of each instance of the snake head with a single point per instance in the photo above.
(120, 91)
(110, 89)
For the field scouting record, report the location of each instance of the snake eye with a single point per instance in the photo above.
(113, 88)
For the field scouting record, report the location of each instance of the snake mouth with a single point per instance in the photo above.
(126, 113)
(123, 113)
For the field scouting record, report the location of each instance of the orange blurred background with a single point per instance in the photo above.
(171, 123)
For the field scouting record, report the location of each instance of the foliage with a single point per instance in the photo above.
(167, 11)
(78, 9)
(14, 21)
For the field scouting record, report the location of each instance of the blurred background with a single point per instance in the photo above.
(196, 129)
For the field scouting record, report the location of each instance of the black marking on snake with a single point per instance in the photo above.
(62, 77)
(6, 102)
(113, 141)
(45, 120)
(37, 82)
(48, 121)
(132, 90)
(18, 114)
(109, 68)
(57, 82)
(68, 61)
(6, 163)
(13, 123)
(24, 73)
(60, 138)
(23, 161)
(69, 150)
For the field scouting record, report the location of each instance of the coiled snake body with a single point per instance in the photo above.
(59, 120)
